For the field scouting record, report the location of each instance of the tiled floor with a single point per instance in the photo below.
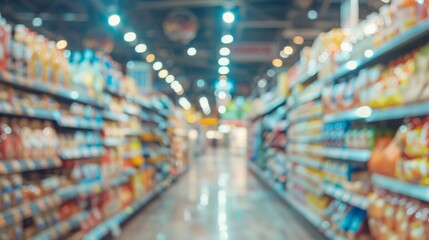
(218, 199)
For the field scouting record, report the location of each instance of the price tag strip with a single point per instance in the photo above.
(345, 196)
(21, 212)
(18, 166)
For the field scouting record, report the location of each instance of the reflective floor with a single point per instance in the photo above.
(218, 199)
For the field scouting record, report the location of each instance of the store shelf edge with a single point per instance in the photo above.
(44, 88)
(114, 222)
(311, 218)
(404, 188)
(397, 44)
(358, 155)
(70, 224)
(345, 196)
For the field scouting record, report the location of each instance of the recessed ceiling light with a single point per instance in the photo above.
(114, 20)
(169, 79)
(221, 109)
(61, 44)
(192, 51)
(163, 73)
(223, 61)
(150, 58)
(223, 70)
(157, 66)
(228, 17)
(227, 39)
(222, 95)
(224, 51)
(298, 40)
(283, 54)
(312, 15)
(288, 50)
(140, 48)
(130, 36)
(277, 62)
(37, 22)
(201, 83)
(262, 83)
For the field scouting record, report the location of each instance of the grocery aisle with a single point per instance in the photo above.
(218, 199)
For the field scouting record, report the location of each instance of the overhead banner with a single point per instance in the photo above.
(253, 52)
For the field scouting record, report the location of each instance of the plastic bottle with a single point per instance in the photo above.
(35, 65)
(4, 39)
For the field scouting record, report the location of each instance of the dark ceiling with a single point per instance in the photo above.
(257, 21)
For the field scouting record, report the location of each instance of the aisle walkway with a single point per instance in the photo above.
(217, 199)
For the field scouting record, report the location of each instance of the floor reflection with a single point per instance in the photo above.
(216, 200)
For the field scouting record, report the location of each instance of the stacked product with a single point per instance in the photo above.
(269, 142)
(360, 170)
(71, 140)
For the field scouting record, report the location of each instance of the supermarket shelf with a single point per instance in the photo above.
(79, 123)
(45, 88)
(132, 111)
(273, 106)
(306, 117)
(358, 155)
(133, 132)
(89, 189)
(131, 154)
(305, 139)
(305, 161)
(115, 92)
(308, 187)
(114, 223)
(345, 196)
(119, 117)
(368, 114)
(305, 78)
(308, 97)
(6, 108)
(398, 44)
(398, 186)
(19, 213)
(63, 228)
(114, 142)
(26, 165)
(81, 152)
(307, 214)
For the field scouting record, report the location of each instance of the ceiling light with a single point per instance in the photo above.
(386, 1)
(140, 48)
(130, 64)
(221, 109)
(227, 39)
(114, 20)
(271, 73)
(288, 50)
(223, 77)
(277, 62)
(201, 83)
(192, 51)
(283, 54)
(150, 58)
(228, 17)
(223, 61)
(67, 53)
(37, 22)
(224, 51)
(184, 103)
(222, 84)
(262, 83)
(163, 73)
(175, 85)
(61, 44)
(222, 95)
(157, 66)
(223, 70)
(169, 79)
(312, 14)
(298, 40)
(130, 36)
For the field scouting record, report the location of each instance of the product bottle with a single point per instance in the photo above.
(35, 63)
(4, 39)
